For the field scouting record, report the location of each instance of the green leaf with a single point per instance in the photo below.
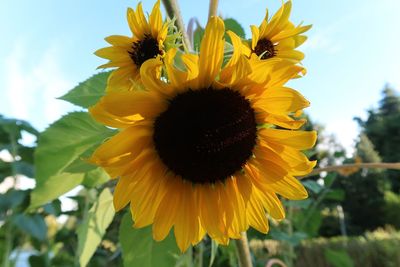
(33, 225)
(214, 249)
(38, 261)
(139, 248)
(311, 222)
(54, 187)
(313, 186)
(294, 239)
(338, 258)
(337, 194)
(92, 230)
(197, 37)
(64, 142)
(11, 199)
(95, 177)
(89, 92)
(329, 179)
(302, 204)
(80, 165)
(233, 25)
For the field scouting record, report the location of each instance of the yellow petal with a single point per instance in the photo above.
(279, 20)
(128, 103)
(175, 76)
(126, 143)
(280, 120)
(256, 215)
(290, 54)
(211, 52)
(290, 33)
(122, 192)
(191, 62)
(108, 119)
(211, 212)
(269, 176)
(297, 139)
(123, 79)
(155, 20)
(255, 33)
(166, 213)
(134, 25)
(120, 41)
(281, 100)
(186, 225)
(146, 199)
(271, 203)
(150, 73)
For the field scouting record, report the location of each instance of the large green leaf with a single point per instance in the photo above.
(53, 187)
(233, 25)
(33, 225)
(87, 93)
(139, 248)
(64, 142)
(313, 186)
(91, 231)
(95, 177)
(197, 37)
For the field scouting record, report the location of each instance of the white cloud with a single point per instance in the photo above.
(33, 83)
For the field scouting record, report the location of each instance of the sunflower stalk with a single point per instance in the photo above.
(243, 250)
(393, 166)
(173, 11)
(213, 9)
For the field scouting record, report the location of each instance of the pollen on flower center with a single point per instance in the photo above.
(206, 135)
(143, 50)
(265, 49)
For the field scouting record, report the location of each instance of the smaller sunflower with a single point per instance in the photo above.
(277, 37)
(127, 54)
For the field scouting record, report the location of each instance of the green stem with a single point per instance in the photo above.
(9, 229)
(290, 233)
(213, 9)
(172, 8)
(394, 166)
(243, 250)
(8, 241)
(84, 219)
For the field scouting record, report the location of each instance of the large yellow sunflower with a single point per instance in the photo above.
(277, 37)
(127, 54)
(205, 157)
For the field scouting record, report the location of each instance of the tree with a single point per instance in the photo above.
(382, 127)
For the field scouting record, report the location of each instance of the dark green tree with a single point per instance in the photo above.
(382, 127)
(364, 191)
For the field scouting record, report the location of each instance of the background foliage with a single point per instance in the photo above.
(343, 223)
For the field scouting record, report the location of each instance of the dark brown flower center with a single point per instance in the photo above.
(206, 135)
(265, 48)
(145, 49)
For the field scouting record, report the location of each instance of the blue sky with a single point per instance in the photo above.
(47, 48)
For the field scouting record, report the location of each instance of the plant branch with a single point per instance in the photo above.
(394, 166)
(243, 250)
(213, 9)
(172, 8)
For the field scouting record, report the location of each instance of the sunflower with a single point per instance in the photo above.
(128, 54)
(277, 37)
(205, 157)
